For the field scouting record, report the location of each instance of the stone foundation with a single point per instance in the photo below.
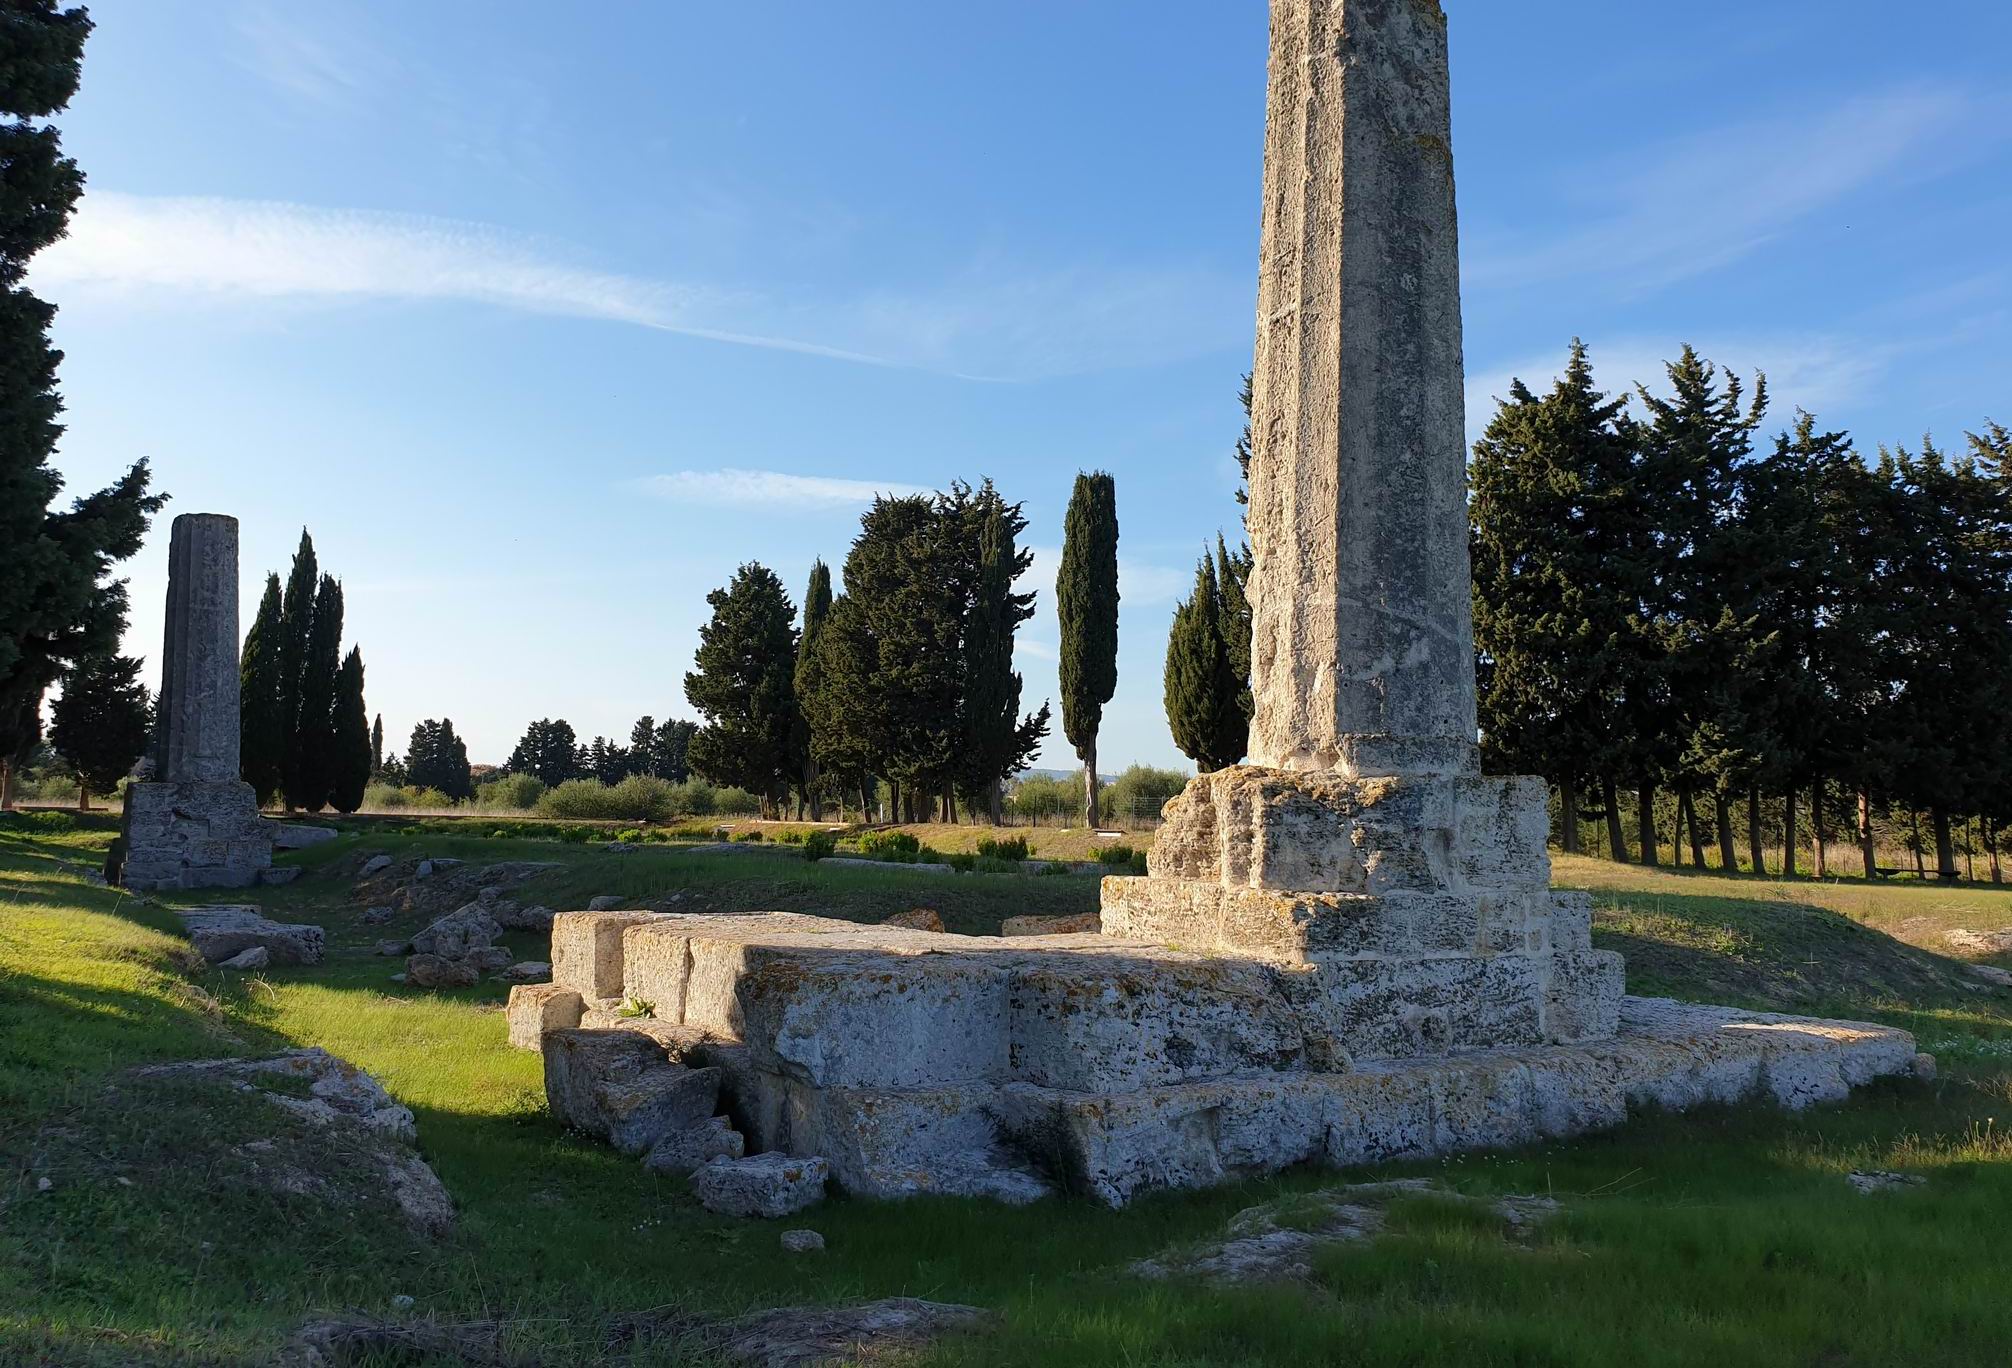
(193, 835)
(917, 1062)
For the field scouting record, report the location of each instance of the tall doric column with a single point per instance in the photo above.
(197, 739)
(1363, 656)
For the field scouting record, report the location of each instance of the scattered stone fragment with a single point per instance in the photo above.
(802, 1242)
(856, 862)
(607, 902)
(398, 978)
(401, 1302)
(489, 958)
(459, 933)
(339, 1341)
(392, 949)
(514, 918)
(258, 957)
(527, 971)
(376, 916)
(433, 971)
(2001, 978)
(43, 1184)
(277, 876)
(220, 933)
(623, 1087)
(765, 1185)
(540, 1007)
(916, 919)
(682, 1153)
(1980, 942)
(296, 836)
(620, 847)
(870, 1332)
(1924, 1067)
(1084, 924)
(423, 870)
(1866, 1182)
(375, 865)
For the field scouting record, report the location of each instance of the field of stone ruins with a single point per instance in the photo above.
(204, 1216)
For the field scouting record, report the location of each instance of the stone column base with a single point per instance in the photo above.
(193, 836)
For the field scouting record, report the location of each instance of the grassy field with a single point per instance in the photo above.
(1728, 1237)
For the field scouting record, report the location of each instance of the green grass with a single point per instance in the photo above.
(1726, 1237)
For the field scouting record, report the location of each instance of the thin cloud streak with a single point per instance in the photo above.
(988, 324)
(768, 488)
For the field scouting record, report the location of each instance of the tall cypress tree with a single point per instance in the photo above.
(295, 645)
(1233, 569)
(1086, 602)
(816, 608)
(314, 778)
(1204, 699)
(55, 607)
(377, 745)
(261, 737)
(998, 740)
(351, 762)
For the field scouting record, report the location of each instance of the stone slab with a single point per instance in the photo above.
(587, 950)
(536, 1008)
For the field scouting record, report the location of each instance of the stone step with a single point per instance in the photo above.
(622, 1087)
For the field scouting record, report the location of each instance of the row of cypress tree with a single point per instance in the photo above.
(305, 736)
(904, 677)
(551, 751)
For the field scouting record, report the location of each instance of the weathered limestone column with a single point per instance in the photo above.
(1363, 650)
(197, 825)
(197, 739)
(1408, 895)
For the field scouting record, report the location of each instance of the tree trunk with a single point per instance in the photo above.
(1945, 849)
(1865, 843)
(865, 804)
(1969, 855)
(1645, 818)
(1991, 847)
(1754, 850)
(1788, 870)
(1617, 834)
(1729, 859)
(1687, 808)
(1090, 785)
(995, 802)
(83, 796)
(6, 784)
(1568, 815)
(1818, 837)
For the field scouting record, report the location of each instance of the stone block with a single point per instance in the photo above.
(767, 1185)
(681, 1153)
(537, 1008)
(193, 835)
(1402, 1009)
(884, 1144)
(219, 933)
(620, 1086)
(1582, 1000)
(587, 950)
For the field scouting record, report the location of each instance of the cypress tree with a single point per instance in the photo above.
(1233, 570)
(55, 607)
(377, 745)
(840, 702)
(1086, 602)
(816, 608)
(998, 741)
(100, 723)
(295, 646)
(314, 775)
(261, 739)
(353, 761)
(742, 685)
(1205, 709)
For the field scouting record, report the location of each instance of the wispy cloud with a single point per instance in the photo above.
(990, 322)
(324, 65)
(770, 488)
(1668, 213)
(1814, 372)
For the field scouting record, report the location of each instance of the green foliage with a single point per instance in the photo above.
(516, 791)
(261, 721)
(351, 737)
(1205, 700)
(102, 721)
(894, 847)
(998, 741)
(1118, 855)
(1003, 847)
(392, 798)
(437, 758)
(742, 684)
(1141, 791)
(819, 845)
(1086, 604)
(549, 751)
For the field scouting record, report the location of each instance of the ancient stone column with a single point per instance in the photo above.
(1362, 654)
(197, 738)
(197, 824)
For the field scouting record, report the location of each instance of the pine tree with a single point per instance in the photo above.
(643, 746)
(101, 723)
(549, 749)
(742, 686)
(607, 761)
(1204, 699)
(816, 608)
(1086, 602)
(353, 760)
(998, 741)
(438, 759)
(296, 645)
(840, 703)
(261, 738)
(55, 607)
(669, 749)
(314, 774)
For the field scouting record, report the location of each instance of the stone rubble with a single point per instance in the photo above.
(223, 932)
(297, 835)
(258, 957)
(802, 1242)
(1866, 1182)
(916, 919)
(770, 1186)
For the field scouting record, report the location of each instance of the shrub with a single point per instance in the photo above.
(693, 798)
(1012, 848)
(749, 838)
(385, 798)
(819, 845)
(895, 847)
(583, 800)
(1116, 855)
(735, 802)
(961, 861)
(1140, 792)
(518, 792)
(1054, 868)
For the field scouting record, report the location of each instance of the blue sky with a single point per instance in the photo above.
(543, 318)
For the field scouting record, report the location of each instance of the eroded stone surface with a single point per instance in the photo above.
(536, 1008)
(221, 933)
(765, 1185)
(622, 1087)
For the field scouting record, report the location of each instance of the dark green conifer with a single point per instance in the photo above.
(261, 735)
(352, 762)
(1086, 603)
